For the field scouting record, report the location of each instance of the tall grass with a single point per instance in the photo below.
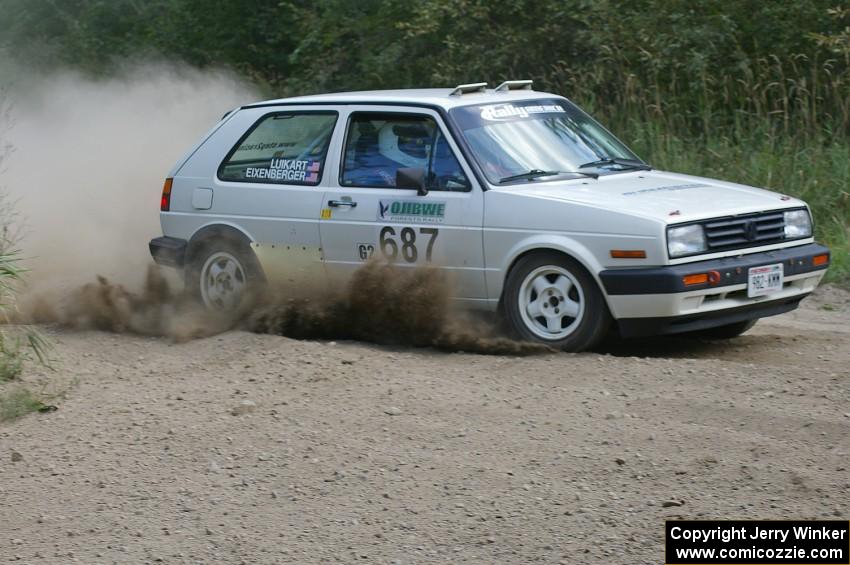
(797, 96)
(18, 402)
(21, 346)
(18, 346)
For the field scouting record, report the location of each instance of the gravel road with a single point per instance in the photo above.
(246, 448)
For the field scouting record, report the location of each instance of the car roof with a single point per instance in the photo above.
(441, 97)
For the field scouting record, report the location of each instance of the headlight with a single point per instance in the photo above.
(685, 240)
(798, 223)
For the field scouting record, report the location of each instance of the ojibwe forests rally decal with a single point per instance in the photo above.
(287, 170)
(433, 212)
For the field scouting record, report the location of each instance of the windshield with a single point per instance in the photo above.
(533, 140)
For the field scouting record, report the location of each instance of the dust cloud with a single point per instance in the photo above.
(85, 173)
(89, 157)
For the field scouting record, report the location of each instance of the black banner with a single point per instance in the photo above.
(767, 542)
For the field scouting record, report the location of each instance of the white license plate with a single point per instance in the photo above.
(764, 280)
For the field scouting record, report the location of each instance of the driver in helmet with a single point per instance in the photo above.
(395, 145)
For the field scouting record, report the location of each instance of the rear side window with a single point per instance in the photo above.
(282, 148)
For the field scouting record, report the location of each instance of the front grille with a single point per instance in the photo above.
(749, 230)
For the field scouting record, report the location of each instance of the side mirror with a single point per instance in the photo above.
(413, 178)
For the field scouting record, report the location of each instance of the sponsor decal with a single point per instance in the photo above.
(292, 170)
(326, 213)
(412, 211)
(504, 112)
(263, 146)
(670, 188)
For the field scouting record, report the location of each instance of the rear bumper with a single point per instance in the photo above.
(656, 301)
(168, 251)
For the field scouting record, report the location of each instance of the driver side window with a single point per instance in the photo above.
(379, 144)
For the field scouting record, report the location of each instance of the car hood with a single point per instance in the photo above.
(669, 197)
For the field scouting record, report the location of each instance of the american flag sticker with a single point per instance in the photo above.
(312, 177)
(313, 166)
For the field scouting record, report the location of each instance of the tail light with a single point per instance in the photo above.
(165, 202)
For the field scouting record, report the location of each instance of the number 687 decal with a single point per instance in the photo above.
(406, 244)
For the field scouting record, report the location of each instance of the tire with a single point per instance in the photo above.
(223, 274)
(550, 298)
(728, 331)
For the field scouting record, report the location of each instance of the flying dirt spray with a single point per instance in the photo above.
(86, 171)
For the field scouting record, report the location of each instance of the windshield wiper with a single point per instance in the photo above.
(630, 163)
(537, 173)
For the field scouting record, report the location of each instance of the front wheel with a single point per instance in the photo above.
(551, 299)
(223, 274)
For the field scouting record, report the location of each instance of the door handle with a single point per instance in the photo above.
(338, 203)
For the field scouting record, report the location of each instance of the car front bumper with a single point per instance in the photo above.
(655, 300)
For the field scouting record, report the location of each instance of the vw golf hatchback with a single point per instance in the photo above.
(531, 207)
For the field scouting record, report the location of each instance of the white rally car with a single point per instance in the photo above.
(530, 206)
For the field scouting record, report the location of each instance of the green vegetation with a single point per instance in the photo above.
(11, 359)
(18, 402)
(757, 93)
(24, 345)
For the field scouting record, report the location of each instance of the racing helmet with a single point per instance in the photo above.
(408, 143)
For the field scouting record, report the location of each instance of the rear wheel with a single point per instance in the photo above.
(222, 274)
(550, 298)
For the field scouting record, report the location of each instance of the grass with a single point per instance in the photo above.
(15, 351)
(11, 359)
(26, 345)
(31, 345)
(19, 402)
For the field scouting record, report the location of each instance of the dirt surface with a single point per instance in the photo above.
(244, 448)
